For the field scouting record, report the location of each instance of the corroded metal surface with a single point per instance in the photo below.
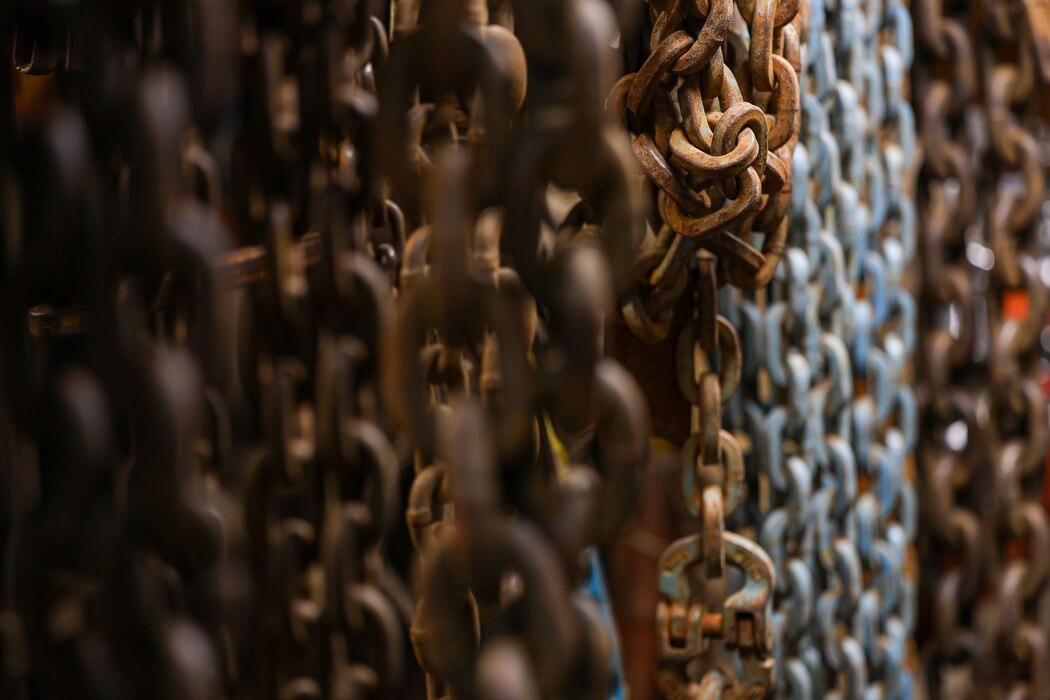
(351, 344)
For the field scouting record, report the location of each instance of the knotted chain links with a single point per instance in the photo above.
(713, 112)
(985, 304)
(713, 118)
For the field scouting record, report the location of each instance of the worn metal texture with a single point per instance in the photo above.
(713, 110)
(367, 349)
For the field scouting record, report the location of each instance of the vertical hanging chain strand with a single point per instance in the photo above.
(713, 113)
(985, 307)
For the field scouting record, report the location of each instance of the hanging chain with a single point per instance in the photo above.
(884, 409)
(339, 332)
(826, 402)
(529, 446)
(208, 520)
(713, 111)
(985, 306)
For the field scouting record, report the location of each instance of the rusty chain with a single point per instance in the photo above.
(713, 111)
(985, 308)
(345, 340)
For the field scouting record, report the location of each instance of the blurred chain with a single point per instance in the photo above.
(1014, 623)
(952, 135)
(885, 427)
(530, 445)
(985, 305)
(201, 466)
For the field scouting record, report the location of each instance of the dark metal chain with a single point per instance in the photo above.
(337, 332)
(985, 306)
(201, 462)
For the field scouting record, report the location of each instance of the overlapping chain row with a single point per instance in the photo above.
(826, 399)
(212, 521)
(983, 186)
(529, 445)
(200, 466)
(260, 257)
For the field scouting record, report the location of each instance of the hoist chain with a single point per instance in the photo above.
(983, 191)
(825, 403)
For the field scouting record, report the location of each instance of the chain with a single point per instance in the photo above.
(949, 213)
(204, 474)
(1011, 411)
(713, 112)
(339, 332)
(983, 458)
(830, 416)
(884, 415)
(530, 445)
(721, 174)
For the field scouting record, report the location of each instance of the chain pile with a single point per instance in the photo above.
(985, 306)
(340, 334)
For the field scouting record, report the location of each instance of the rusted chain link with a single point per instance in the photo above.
(714, 114)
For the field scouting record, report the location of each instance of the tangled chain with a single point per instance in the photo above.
(713, 113)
